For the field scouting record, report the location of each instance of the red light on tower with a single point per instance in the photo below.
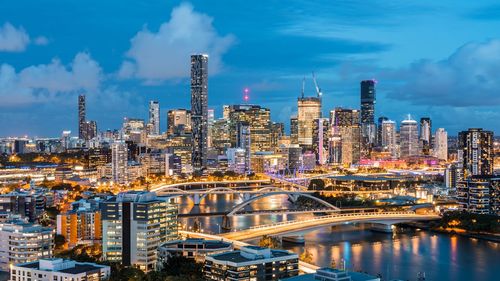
(246, 97)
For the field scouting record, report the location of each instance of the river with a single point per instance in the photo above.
(393, 256)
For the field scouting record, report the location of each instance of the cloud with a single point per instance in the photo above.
(165, 54)
(38, 83)
(41, 41)
(13, 39)
(469, 77)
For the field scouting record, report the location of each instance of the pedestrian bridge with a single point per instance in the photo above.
(316, 222)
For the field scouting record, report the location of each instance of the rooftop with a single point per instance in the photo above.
(61, 265)
(251, 253)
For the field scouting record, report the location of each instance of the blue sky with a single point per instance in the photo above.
(430, 58)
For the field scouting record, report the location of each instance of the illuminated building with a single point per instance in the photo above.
(237, 160)
(221, 139)
(259, 123)
(321, 130)
(426, 134)
(119, 162)
(82, 224)
(388, 137)
(153, 163)
(132, 126)
(476, 149)
(24, 242)
(178, 122)
(331, 274)
(351, 144)
(368, 130)
(381, 119)
(277, 132)
(294, 157)
(451, 175)
(309, 109)
(268, 162)
(408, 138)
(181, 146)
(440, 149)
(134, 224)
(59, 269)
(345, 136)
(251, 263)
(199, 111)
(28, 204)
(154, 117)
(294, 130)
(192, 248)
(243, 141)
(479, 194)
(81, 116)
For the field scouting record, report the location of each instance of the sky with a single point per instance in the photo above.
(439, 59)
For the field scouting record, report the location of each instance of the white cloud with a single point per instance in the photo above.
(13, 39)
(165, 54)
(37, 83)
(41, 41)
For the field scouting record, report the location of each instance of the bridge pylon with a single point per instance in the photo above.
(226, 223)
(196, 199)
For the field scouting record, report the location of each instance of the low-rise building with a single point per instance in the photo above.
(59, 270)
(192, 248)
(330, 274)
(23, 242)
(251, 263)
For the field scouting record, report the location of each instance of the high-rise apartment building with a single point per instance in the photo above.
(368, 97)
(134, 224)
(119, 162)
(294, 130)
(154, 117)
(24, 242)
(259, 121)
(178, 122)
(426, 135)
(309, 109)
(408, 138)
(277, 132)
(81, 116)
(321, 131)
(345, 140)
(381, 119)
(81, 224)
(476, 148)
(440, 148)
(388, 140)
(199, 110)
(479, 194)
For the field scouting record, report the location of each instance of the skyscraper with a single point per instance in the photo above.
(259, 121)
(476, 146)
(440, 149)
(178, 122)
(119, 161)
(154, 117)
(425, 134)
(81, 117)
(408, 135)
(294, 130)
(381, 119)
(199, 110)
(345, 136)
(388, 137)
(309, 109)
(368, 96)
(320, 140)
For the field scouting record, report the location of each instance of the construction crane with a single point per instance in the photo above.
(318, 89)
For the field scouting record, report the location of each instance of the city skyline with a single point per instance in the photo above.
(44, 69)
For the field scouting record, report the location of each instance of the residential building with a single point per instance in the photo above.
(154, 117)
(192, 248)
(251, 263)
(388, 137)
(199, 111)
(476, 149)
(81, 224)
(59, 270)
(81, 116)
(134, 224)
(440, 148)
(309, 109)
(426, 135)
(479, 194)
(368, 130)
(119, 162)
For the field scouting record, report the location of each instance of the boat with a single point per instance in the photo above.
(295, 239)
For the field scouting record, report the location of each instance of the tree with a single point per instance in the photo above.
(59, 240)
(178, 265)
(269, 242)
(316, 184)
(306, 256)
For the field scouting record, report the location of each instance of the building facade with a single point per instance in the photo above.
(199, 111)
(440, 148)
(154, 117)
(408, 138)
(119, 162)
(476, 149)
(309, 109)
(59, 270)
(368, 97)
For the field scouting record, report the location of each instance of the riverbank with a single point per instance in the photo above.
(493, 237)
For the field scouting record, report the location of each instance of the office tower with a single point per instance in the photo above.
(257, 262)
(294, 130)
(440, 149)
(244, 141)
(89, 130)
(425, 134)
(154, 117)
(388, 139)
(119, 162)
(321, 130)
(368, 96)
(476, 148)
(345, 141)
(237, 160)
(24, 242)
(259, 121)
(132, 125)
(408, 138)
(294, 157)
(178, 122)
(65, 139)
(379, 129)
(81, 224)
(81, 116)
(134, 224)
(309, 109)
(211, 121)
(277, 133)
(221, 139)
(60, 269)
(479, 194)
(199, 110)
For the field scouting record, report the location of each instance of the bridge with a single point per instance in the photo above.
(303, 266)
(184, 185)
(316, 222)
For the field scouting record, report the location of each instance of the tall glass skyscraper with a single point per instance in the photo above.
(81, 117)
(476, 149)
(425, 134)
(408, 134)
(199, 110)
(154, 117)
(368, 96)
(309, 109)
